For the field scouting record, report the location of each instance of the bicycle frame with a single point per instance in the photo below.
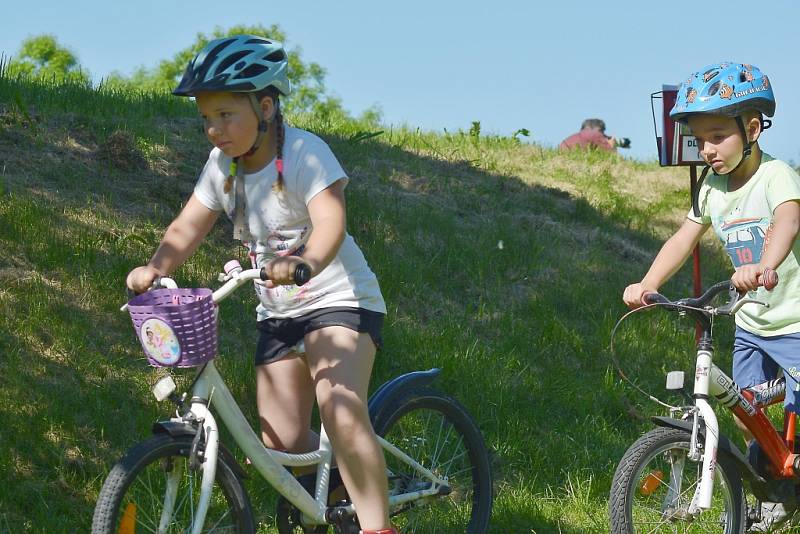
(711, 381)
(210, 392)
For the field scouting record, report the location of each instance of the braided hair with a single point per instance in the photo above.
(273, 93)
(281, 137)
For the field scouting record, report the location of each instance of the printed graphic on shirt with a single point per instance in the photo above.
(745, 240)
(278, 244)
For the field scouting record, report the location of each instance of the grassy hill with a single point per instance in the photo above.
(502, 263)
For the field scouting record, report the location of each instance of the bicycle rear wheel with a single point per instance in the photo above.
(655, 482)
(133, 496)
(436, 431)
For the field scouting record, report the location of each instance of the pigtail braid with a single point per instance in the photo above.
(281, 136)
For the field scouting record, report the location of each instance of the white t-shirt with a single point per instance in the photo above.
(279, 224)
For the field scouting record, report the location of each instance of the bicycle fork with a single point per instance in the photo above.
(205, 460)
(702, 496)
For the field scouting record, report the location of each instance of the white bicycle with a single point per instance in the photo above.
(686, 475)
(183, 479)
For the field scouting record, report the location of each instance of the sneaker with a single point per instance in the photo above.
(773, 515)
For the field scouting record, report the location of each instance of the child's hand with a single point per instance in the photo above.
(746, 277)
(280, 271)
(633, 294)
(141, 278)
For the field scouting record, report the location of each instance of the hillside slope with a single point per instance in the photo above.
(502, 263)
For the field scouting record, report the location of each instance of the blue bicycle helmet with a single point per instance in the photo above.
(727, 89)
(240, 63)
(724, 89)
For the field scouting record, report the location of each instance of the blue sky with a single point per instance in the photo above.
(443, 64)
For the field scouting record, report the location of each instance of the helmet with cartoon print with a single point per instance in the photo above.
(239, 63)
(724, 89)
(727, 89)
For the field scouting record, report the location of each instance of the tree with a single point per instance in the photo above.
(42, 56)
(308, 79)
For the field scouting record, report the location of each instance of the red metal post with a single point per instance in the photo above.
(698, 287)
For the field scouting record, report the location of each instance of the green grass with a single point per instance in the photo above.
(502, 263)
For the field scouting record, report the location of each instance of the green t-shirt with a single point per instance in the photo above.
(743, 220)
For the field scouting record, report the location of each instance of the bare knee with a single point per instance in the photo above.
(290, 438)
(345, 418)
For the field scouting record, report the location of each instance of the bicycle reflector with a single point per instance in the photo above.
(164, 388)
(675, 380)
(651, 483)
(127, 525)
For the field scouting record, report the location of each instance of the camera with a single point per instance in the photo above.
(622, 142)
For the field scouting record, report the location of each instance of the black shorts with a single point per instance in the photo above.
(278, 337)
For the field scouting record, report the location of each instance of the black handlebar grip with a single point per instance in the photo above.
(302, 274)
(769, 279)
(651, 298)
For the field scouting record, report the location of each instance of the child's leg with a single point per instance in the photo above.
(784, 352)
(751, 366)
(341, 363)
(285, 397)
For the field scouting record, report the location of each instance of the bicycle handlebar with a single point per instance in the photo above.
(768, 280)
(302, 274)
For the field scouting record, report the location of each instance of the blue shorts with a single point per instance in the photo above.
(757, 359)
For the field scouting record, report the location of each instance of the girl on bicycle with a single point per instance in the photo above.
(284, 191)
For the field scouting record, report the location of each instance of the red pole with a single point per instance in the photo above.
(698, 286)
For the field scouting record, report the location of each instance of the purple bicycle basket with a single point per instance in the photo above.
(176, 327)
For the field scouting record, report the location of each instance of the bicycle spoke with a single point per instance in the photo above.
(155, 476)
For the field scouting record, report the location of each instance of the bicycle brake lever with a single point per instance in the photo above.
(744, 301)
(732, 306)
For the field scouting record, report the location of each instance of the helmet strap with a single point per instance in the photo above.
(748, 145)
(263, 125)
(696, 191)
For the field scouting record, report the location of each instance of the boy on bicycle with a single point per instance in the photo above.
(753, 203)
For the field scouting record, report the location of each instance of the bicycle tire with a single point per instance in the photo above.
(436, 430)
(135, 486)
(641, 500)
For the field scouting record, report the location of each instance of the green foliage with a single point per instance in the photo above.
(308, 79)
(475, 131)
(43, 57)
(522, 131)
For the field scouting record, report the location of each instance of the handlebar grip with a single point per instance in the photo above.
(769, 279)
(302, 274)
(653, 298)
(130, 293)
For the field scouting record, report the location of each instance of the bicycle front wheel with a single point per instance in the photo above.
(155, 489)
(655, 482)
(436, 431)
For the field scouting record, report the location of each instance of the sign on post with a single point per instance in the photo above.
(676, 144)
